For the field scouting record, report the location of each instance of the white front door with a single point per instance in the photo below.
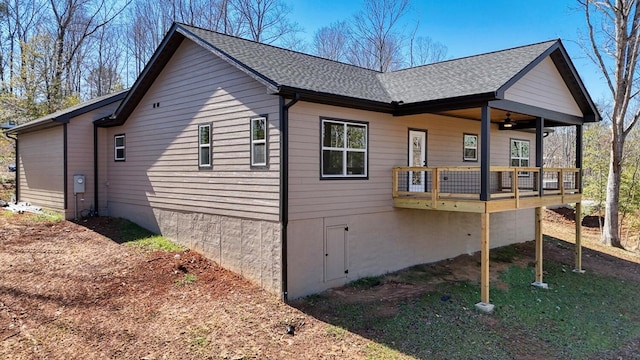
(417, 157)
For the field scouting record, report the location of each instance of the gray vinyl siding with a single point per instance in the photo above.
(41, 168)
(310, 197)
(544, 87)
(80, 159)
(161, 166)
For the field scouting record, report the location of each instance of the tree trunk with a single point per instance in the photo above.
(611, 230)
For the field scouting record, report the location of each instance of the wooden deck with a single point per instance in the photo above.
(458, 188)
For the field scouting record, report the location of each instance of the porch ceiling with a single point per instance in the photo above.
(520, 120)
(497, 115)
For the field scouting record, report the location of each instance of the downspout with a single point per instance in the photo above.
(284, 185)
(95, 170)
(65, 176)
(16, 177)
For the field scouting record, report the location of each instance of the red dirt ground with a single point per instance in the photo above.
(69, 292)
(66, 291)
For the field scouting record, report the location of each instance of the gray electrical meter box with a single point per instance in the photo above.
(78, 184)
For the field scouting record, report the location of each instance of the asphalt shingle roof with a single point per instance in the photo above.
(461, 77)
(298, 70)
(466, 76)
(287, 72)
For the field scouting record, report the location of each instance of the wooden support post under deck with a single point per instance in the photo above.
(578, 248)
(484, 304)
(539, 247)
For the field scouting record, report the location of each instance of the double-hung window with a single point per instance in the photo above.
(344, 149)
(119, 147)
(204, 145)
(259, 141)
(470, 150)
(520, 155)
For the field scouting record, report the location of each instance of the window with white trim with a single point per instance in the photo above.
(470, 147)
(259, 141)
(344, 149)
(118, 147)
(519, 153)
(204, 145)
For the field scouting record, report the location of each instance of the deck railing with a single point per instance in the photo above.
(460, 182)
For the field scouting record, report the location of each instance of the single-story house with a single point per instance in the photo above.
(302, 173)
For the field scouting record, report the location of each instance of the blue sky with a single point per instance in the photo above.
(469, 27)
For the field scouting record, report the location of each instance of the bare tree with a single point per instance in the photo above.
(331, 42)
(105, 64)
(376, 41)
(75, 21)
(264, 20)
(614, 36)
(20, 23)
(559, 147)
(423, 50)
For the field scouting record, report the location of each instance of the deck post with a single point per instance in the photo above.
(539, 246)
(578, 247)
(484, 305)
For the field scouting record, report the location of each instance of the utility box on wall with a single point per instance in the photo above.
(78, 184)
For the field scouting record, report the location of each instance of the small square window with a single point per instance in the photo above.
(259, 141)
(119, 147)
(470, 150)
(204, 145)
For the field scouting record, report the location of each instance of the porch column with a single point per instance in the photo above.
(540, 153)
(539, 246)
(484, 305)
(578, 212)
(485, 149)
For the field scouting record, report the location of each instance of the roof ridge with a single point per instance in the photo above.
(278, 47)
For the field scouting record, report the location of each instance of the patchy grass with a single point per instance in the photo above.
(46, 216)
(556, 323)
(366, 283)
(130, 232)
(155, 242)
(505, 254)
(186, 280)
(564, 316)
(136, 236)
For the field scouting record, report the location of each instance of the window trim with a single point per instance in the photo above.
(345, 150)
(116, 147)
(528, 158)
(200, 146)
(253, 142)
(464, 148)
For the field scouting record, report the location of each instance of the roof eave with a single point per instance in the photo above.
(336, 100)
(437, 105)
